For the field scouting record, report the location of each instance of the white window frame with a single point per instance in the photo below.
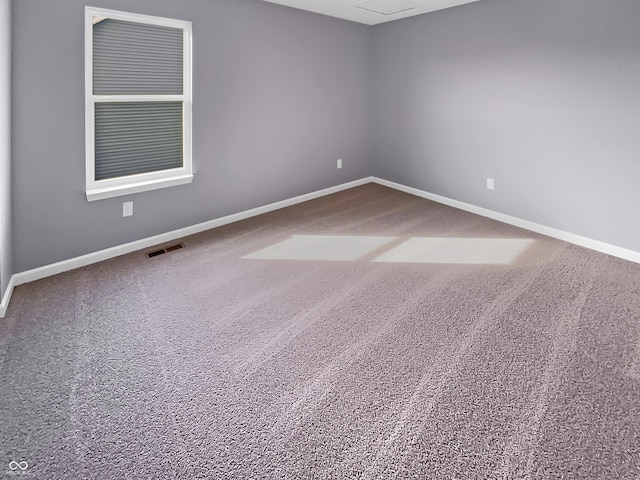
(113, 187)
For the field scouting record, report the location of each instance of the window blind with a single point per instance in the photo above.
(141, 136)
(137, 137)
(137, 59)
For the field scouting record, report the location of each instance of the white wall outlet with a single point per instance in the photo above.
(490, 184)
(339, 163)
(127, 209)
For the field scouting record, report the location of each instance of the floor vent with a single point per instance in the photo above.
(168, 249)
(177, 246)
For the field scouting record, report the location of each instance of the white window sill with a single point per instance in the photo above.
(116, 191)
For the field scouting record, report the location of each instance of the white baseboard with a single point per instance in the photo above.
(77, 262)
(7, 296)
(603, 247)
(95, 257)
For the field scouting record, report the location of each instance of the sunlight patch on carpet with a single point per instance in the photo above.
(322, 247)
(468, 251)
(465, 251)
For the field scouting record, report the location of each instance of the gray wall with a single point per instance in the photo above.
(5, 145)
(279, 95)
(542, 95)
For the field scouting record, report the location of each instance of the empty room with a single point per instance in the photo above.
(320, 239)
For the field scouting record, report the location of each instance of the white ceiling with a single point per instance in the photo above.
(371, 12)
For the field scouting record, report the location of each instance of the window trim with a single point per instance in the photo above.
(113, 187)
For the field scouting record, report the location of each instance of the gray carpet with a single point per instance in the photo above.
(202, 364)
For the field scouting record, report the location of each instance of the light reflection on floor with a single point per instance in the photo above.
(322, 247)
(468, 251)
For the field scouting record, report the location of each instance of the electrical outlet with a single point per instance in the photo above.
(490, 183)
(339, 163)
(127, 209)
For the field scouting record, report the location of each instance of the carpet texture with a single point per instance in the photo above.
(202, 363)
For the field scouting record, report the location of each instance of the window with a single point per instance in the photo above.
(137, 103)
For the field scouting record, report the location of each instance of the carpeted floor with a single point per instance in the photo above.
(203, 364)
